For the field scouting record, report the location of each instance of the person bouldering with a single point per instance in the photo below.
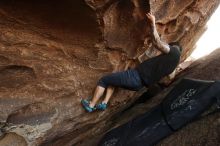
(146, 73)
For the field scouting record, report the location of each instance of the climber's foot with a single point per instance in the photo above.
(85, 104)
(101, 106)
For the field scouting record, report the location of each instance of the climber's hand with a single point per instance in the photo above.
(151, 17)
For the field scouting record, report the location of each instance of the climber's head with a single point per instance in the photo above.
(176, 45)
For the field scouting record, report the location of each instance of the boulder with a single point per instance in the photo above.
(53, 52)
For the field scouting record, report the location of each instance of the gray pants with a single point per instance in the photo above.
(129, 79)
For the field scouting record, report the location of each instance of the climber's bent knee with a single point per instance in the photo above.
(102, 82)
(129, 79)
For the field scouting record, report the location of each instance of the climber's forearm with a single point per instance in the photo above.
(162, 46)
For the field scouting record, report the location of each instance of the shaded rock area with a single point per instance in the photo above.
(13, 139)
(53, 52)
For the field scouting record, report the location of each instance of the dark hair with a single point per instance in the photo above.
(176, 44)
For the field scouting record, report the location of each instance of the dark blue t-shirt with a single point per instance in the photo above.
(152, 70)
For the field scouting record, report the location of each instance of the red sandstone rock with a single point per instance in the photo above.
(53, 52)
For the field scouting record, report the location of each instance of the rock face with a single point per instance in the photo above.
(53, 52)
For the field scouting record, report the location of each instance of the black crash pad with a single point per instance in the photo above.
(185, 102)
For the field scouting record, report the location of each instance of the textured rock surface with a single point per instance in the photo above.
(53, 52)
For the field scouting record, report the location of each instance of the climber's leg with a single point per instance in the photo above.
(90, 106)
(103, 104)
(97, 94)
(108, 95)
(129, 79)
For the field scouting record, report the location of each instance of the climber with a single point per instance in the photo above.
(145, 74)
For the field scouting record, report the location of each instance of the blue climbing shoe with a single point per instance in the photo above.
(85, 104)
(101, 106)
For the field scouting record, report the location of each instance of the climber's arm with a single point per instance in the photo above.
(162, 46)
